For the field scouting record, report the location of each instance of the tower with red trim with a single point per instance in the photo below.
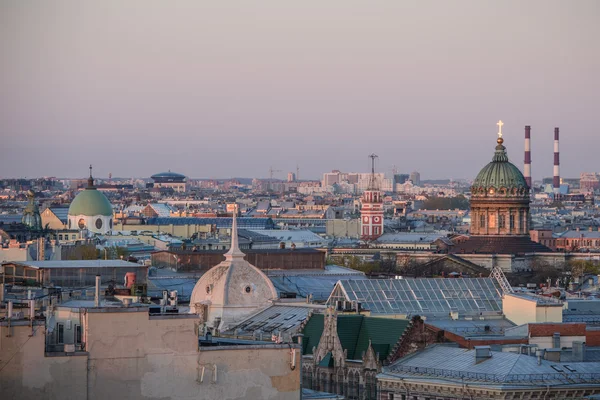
(371, 212)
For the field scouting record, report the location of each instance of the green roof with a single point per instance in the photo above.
(90, 202)
(500, 173)
(355, 331)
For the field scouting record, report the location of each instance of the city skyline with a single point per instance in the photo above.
(422, 85)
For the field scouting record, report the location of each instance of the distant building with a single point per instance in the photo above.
(171, 180)
(589, 181)
(415, 177)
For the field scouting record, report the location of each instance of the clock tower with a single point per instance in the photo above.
(371, 212)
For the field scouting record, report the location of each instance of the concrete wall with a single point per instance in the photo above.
(131, 355)
(265, 372)
(25, 373)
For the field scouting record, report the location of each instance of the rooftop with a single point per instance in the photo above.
(450, 364)
(75, 264)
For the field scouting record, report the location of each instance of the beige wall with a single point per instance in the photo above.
(545, 342)
(52, 220)
(31, 375)
(518, 310)
(133, 356)
(523, 311)
(549, 314)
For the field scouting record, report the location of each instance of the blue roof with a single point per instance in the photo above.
(168, 174)
(220, 222)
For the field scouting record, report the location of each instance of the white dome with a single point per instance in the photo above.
(231, 290)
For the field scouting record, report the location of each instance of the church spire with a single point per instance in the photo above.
(234, 251)
(372, 178)
(90, 179)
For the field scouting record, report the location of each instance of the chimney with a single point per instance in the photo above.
(540, 354)
(32, 309)
(578, 351)
(527, 166)
(97, 294)
(556, 340)
(556, 178)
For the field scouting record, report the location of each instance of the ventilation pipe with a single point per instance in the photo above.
(10, 309)
(97, 294)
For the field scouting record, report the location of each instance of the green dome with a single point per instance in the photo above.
(90, 202)
(500, 175)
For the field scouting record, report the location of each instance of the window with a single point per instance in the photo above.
(492, 221)
(512, 221)
(482, 221)
(31, 273)
(73, 237)
(81, 223)
(98, 223)
(77, 334)
(60, 237)
(502, 222)
(60, 333)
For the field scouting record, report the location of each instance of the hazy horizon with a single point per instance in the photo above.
(217, 90)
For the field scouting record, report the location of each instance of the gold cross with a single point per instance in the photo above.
(500, 123)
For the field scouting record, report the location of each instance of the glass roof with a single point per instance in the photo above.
(425, 295)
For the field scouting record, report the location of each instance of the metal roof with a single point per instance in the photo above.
(76, 264)
(275, 319)
(457, 364)
(220, 222)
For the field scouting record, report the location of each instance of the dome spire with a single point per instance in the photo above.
(90, 179)
(500, 154)
(234, 251)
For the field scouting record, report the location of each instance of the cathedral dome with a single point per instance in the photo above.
(500, 177)
(90, 202)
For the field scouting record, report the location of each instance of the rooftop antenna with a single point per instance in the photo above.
(372, 180)
(297, 172)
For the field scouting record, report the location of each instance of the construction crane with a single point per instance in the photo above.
(501, 279)
(271, 170)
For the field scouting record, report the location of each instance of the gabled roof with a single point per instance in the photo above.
(355, 332)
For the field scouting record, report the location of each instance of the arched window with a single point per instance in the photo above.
(512, 221)
(340, 382)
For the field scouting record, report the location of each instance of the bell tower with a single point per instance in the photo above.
(371, 212)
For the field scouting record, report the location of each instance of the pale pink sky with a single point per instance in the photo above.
(220, 89)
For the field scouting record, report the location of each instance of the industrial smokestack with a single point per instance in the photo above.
(527, 167)
(97, 295)
(556, 179)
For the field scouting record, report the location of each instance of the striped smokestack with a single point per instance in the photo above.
(527, 167)
(556, 179)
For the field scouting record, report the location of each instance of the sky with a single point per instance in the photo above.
(219, 89)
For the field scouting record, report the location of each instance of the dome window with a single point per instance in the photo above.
(248, 289)
(98, 223)
(81, 223)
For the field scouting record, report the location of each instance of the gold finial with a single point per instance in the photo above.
(500, 140)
